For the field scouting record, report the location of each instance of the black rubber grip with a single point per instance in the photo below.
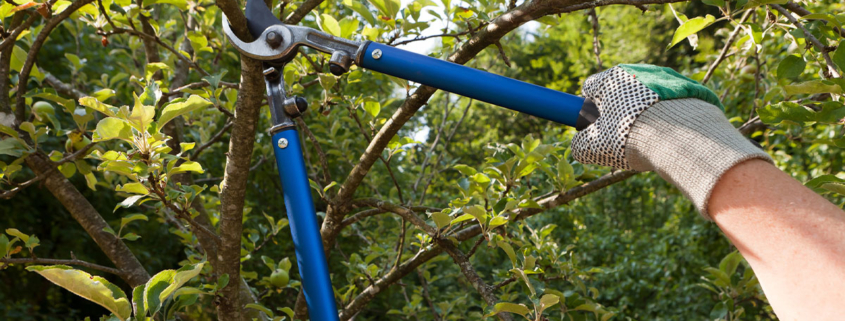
(588, 115)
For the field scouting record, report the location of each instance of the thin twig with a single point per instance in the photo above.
(421, 38)
(211, 140)
(502, 53)
(831, 67)
(728, 43)
(445, 150)
(596, 44)
(324, 163)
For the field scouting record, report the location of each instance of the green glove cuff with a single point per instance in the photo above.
(669, 84)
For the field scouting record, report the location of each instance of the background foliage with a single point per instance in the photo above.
(461, 181)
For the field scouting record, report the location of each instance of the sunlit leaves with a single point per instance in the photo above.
(178, 108)
(330, 25)
(134, 188)
(691, 27)
(111, 128)
(92, 288)
(812, 87)
(387, 8)
(520, 309)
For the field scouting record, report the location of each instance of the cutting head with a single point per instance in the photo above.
(277, 42)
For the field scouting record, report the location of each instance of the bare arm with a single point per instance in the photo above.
(793, 238)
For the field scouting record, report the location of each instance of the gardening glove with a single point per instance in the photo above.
(654, 119)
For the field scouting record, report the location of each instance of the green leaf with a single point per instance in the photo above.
(815, 184)
(95, 104)
(791, 67)
(150, 96)
(476, 211)
(153, 289)
(153, 67)
(131, 218)
(92, 288)
(4, 245)
(730, 262)
(440, 219)
(111, 128)
(361, 9)
(497, 221)
(812, 87)
(786, 111)
(719, 278)
(141, 115)
(464, 169)
(330, 25)
(176, 109)
(189, 166)
(19, 234)
(508, 250)
(182, 276)
(129, 201)
(547, 301)
(465, 217)
(372, 107)
(838, 188)
(259, 307)
(138, 302)
(520, 309)
(719, 311)
(103, 94)
(130, 236)
(11, 147)
(839, 56)
(348, 26)
(134, 188)
(691, 27)
(181, 4)
(388, 8)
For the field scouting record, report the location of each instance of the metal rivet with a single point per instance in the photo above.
(283, 142)
(273, 39)
(377, 54)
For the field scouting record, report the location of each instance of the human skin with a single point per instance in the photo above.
(793, 238)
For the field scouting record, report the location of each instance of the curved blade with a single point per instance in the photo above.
(259, 17)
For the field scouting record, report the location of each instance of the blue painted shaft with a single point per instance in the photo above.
(310, 257)
(477, 84)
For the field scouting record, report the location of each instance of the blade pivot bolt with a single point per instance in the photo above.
(273, 39)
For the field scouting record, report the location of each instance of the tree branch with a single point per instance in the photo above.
(83, 212)
(301, 11)
(18, 187)
(483, 289)
(63, 88)
(64, 262)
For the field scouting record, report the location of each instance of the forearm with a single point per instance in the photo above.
(793, 238)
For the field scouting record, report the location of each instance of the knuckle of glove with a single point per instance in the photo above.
(620, 99)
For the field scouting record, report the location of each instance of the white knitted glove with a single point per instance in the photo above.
(648, 122)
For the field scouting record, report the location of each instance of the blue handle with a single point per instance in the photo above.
(304, 229)
(477, 84)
